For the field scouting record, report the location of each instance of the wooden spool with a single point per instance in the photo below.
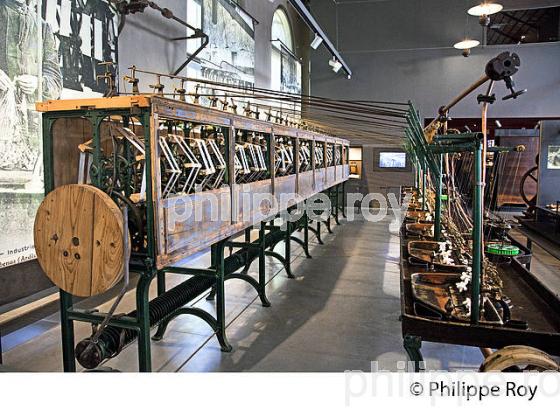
(79, 240)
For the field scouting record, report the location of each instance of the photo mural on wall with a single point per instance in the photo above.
(230, 54)
(290, 74)
(49, 49)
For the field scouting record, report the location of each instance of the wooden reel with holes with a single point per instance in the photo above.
(519, 359)
(79, 240)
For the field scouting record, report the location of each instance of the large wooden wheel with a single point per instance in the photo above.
(79, 240)
(519, 359)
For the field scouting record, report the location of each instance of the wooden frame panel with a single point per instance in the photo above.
(186, 236)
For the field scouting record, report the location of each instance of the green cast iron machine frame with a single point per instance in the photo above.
(151, 259)
(536, 304)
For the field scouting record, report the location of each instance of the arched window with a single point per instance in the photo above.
(285, 72)
(281, 30)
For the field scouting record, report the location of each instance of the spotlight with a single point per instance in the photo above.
(466, 46)
(482, 11)
(335, 64)
(498, 123)
(317, 41)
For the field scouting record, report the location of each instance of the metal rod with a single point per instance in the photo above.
(424, 181)
(461, 96)
(485, 106)
(477, 234)
(465, 93)
(439, 182)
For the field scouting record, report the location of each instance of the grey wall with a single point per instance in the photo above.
(431, 78)
(401, 50)
(376, 180)
(144, 40)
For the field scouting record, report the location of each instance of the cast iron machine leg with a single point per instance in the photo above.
(218, 324)
(336, 205)
(328, 224)
(212, 293)
(284, 260)
(262, 266)
(344, 200)
(318, 233)
(288, 250)
(161, 285)
(67, 328)
(306, 235)
(260, 284)
(302, 224)
(142, 304)
(221, 299)
(412, 345)
(223, 271)
(310, 221)
(248, 241)
(303, 242)
(328, 221)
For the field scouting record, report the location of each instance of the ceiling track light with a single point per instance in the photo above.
(466, 45)
(335, 64)
(305, 14)
(317, 41)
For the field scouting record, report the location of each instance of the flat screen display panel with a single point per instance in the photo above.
(392, 160)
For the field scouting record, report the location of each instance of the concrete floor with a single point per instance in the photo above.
(340, 313)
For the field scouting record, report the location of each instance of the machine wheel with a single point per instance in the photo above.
(532, 174)
(519, 359)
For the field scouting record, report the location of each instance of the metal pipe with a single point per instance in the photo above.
(465, 93)
(477, 234)
(417, 174)
(439, 182)
(461, 96)
(485, 105)
(424, 181)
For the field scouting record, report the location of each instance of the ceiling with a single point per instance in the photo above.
(525, 26)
